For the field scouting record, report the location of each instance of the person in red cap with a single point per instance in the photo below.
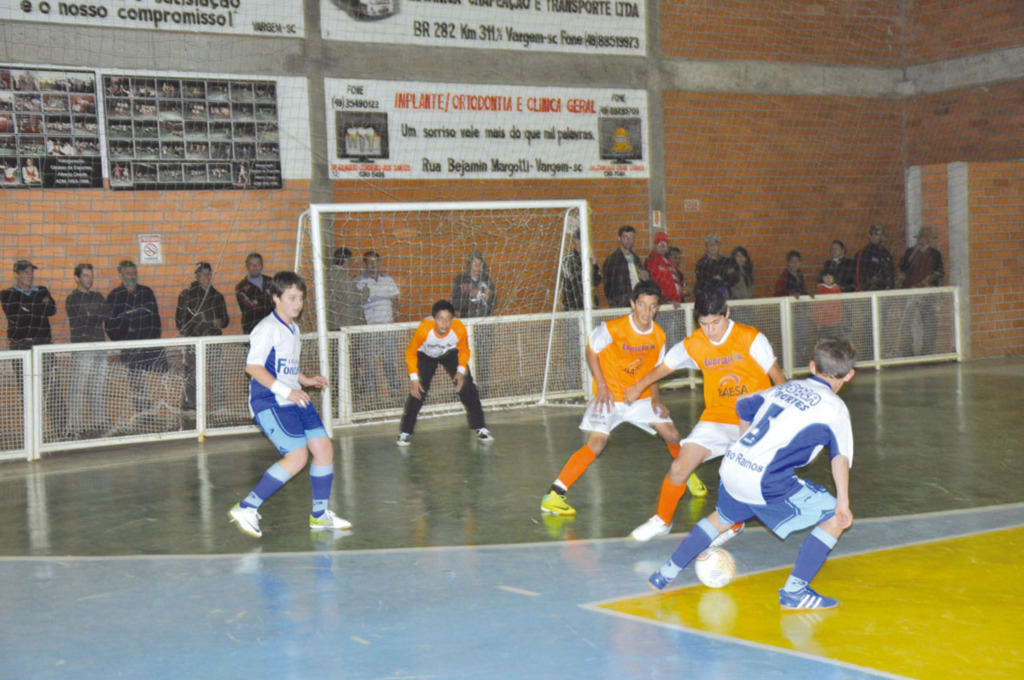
(663, 273)
(28, 308)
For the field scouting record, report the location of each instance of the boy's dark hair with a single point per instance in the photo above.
(792, 254)
(370, 254)
(442, 306)
(839, 243)
(282, 281)
(709, 302)
(834, 357)
(79, 268)
(341, 256)
(626, 228)
(257, 256)
(645, 288)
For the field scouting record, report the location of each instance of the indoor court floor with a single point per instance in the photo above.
(122, 563)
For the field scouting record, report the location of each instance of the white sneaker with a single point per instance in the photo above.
(484, 435)
(248, 520)
(651, 528)
(404, 439)
(329, 520)
(727, 535)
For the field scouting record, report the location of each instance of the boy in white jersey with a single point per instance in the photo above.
(618, 351)
(441, 339)
(785, 428)
(285, 412)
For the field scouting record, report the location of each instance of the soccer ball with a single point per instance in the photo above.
(715, 567)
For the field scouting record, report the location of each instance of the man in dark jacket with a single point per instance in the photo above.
(873, 266)
(134, 315)
(28, 308)
(622, 269)
(201, 312)
(251, 293)
(841, 267)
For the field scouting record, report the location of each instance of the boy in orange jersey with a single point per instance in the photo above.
(617, 352)
(442, 340)
(736, 360)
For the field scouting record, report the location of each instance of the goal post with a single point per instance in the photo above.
(499, 262)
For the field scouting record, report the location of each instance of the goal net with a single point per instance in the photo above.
(377, 269)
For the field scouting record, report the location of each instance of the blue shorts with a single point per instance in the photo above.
(806, 507)
(290, 427)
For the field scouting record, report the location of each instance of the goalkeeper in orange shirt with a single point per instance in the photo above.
(619, 353)
(441, 339)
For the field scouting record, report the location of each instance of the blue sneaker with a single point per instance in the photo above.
(659, 581)
(805, 598)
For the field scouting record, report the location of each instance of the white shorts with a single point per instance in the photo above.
(717, 437)
(640, 413)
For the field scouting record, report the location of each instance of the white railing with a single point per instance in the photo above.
(69, 397)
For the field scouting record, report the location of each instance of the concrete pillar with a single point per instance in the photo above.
(957, 195)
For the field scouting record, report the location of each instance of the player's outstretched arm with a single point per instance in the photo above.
(657, 373)
(776, 375)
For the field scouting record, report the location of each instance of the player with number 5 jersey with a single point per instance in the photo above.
(785, 428)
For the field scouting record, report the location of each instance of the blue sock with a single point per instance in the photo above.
(810, 559)
(696, 542)
(273, 479)
(321, 477)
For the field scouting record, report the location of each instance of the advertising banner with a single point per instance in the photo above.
(599, 27)
(402, 130)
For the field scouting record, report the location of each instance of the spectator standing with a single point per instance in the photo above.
(201, 312)
(28, 308)
(663, 272)
(344, 298)
(474, 294)
(921, 267)
(87, 311)
(381, 299)
(828, 316)
(134, 315)
(381, 290)
(873, 265)
(708, 272)
(841, 267)
(675, 256)
(572, 275)
(254, 301)
(791, 280)
(743, 289)
(621, 269)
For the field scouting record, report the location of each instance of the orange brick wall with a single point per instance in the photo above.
(996, 207)
(947, 29)
(978, 124)
(777, 173)
(861, 32)
(58, 229)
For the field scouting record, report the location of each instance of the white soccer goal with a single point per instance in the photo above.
(524, 349)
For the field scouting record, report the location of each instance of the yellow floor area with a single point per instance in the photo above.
(945, 609)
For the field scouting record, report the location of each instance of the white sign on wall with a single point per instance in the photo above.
(578, 26)
(151, 249)
(283, 18)
(415, 130)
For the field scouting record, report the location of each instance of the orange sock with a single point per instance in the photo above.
(577, 465)
(668, 500)
(673, 449)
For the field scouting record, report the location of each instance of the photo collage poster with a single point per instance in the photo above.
(49, 129)
(191, 133)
